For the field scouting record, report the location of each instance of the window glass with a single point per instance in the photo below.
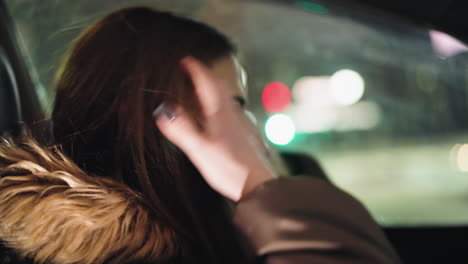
(381, 104)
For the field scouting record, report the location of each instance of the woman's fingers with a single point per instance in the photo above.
(208, 94)
(177, 126)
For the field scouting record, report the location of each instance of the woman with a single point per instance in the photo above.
(118, 71)
(149, 107)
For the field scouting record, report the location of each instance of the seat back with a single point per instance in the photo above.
(10, 110)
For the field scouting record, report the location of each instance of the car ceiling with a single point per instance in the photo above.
(446, 15)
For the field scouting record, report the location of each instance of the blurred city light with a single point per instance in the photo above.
(311, 119)
(280, 129)
(331, 103)
(446, 45)
(276, 97)
(313, 91)
(347, 86)
(462, 158)
(360, 116)
(364, 115)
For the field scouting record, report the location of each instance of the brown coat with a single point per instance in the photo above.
(307, 220)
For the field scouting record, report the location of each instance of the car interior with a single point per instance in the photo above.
(373, 95)
(10, 112)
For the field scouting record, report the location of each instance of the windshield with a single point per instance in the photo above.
(381, 104)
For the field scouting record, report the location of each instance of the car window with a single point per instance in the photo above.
(380, 103)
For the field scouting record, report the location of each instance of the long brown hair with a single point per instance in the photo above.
(116, 73)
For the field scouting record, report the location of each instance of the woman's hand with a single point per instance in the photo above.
(228, 151)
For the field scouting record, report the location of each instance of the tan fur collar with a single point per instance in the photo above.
(51, 211)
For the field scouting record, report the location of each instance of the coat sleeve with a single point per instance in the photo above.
(306, 220)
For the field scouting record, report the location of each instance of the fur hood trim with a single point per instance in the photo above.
(52, 212)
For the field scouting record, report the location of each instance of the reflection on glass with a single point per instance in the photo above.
(446, 45)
